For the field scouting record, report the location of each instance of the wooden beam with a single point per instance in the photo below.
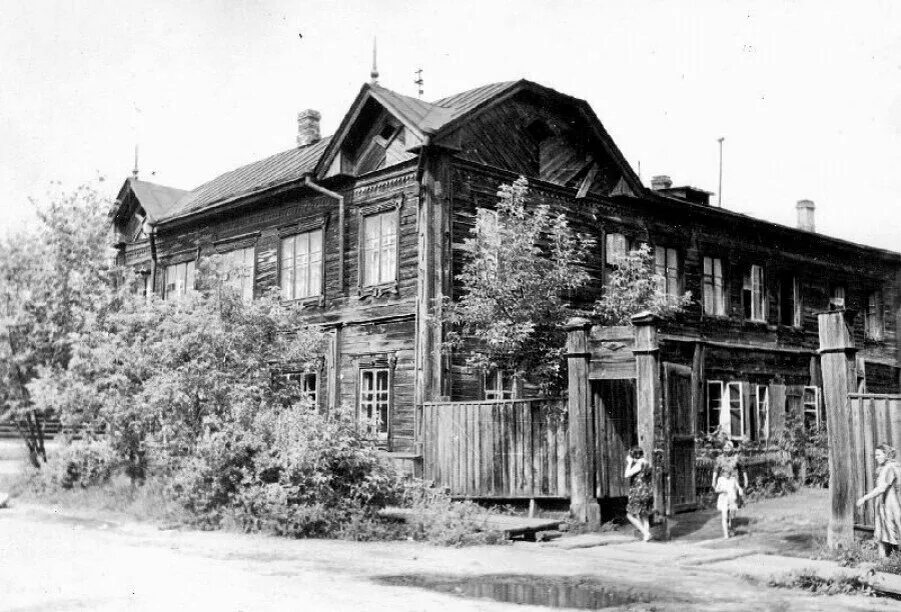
(583, 502)
(649, 406)
(839, 371)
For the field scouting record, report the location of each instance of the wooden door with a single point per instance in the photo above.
(616, 432)
(679, 419)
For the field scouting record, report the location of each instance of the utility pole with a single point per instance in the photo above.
(719, 192)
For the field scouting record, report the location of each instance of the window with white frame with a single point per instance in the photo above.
(714, 297)
(666, 265)
(873, 322)
(375, 400)
(725, 408)
(179, 280)
(762, 401)
(301, 265)
(239, 265)
(380, 248)
(754, 294)
(498, 385)
(789, 301)
(305, 382)
(813, 416)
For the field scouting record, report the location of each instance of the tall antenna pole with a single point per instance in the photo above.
(374, 75)
(419, 82)
(134, 172)
(719, 192)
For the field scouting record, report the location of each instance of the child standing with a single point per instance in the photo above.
(728, 491)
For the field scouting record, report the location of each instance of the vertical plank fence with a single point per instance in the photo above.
(496, 449)
(875, 419)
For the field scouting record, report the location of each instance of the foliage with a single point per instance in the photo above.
(520, 263)
(291, 472)
(82, 463)
(818, 585)
(157, 376)
(808, 449)
(634, 287)
(54, 281)
(440, 520)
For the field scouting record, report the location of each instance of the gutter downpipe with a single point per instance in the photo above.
(152, 257)
(309, 183)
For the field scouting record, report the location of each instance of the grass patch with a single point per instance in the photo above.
(811, 582)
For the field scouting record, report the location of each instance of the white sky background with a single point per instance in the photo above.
(807, 94)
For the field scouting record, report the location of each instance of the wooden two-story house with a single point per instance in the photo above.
(363, 230)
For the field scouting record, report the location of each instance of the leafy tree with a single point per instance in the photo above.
(520, 264)
(635, 287)
(54, 280)
(158, 375)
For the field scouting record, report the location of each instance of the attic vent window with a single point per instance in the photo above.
(388, 131)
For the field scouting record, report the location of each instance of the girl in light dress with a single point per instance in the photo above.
(887, 494)
(728, 493)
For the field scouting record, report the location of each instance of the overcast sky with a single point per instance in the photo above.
(806, 94)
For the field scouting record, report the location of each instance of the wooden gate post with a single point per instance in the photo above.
(583, 501)
(648, 408)
(839, 370)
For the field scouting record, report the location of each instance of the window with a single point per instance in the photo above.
(754, 295)
(762, 395)
(239, 271)
(301, 265)
(789, 301)
(498, 385)
(617, 246)
(666, 265)
(810, 399)
(837, 299)
(375, 398)
(305, 383)
(725, 408)
(714, 404)
(714, 299)
(873, 323)
(179, 279)
(380, 248)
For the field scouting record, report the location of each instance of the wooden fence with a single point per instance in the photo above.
(500, 449)
(875, 420)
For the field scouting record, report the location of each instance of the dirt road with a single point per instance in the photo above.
(55, 561)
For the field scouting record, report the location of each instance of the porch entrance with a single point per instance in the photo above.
(615, 427)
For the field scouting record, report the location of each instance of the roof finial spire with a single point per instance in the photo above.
(375, 69)
(419, 82)
(134, 172)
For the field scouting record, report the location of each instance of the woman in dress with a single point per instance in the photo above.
(887, 494)
(641, 493)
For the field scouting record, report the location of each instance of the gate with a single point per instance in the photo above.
(680, 418)
(875, 419)
(615, 429)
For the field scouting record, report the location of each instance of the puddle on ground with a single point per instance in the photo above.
(584, 593)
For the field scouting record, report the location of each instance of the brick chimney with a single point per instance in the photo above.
(661, 181)
(805, 215)
(308, 127)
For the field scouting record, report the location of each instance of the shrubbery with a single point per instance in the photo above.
(80, 464)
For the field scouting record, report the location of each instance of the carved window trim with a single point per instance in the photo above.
(241, 241)
(391, 287)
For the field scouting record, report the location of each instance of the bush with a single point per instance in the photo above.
(440, 520)
(836, 585)
(293, 472)
(80, 464)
